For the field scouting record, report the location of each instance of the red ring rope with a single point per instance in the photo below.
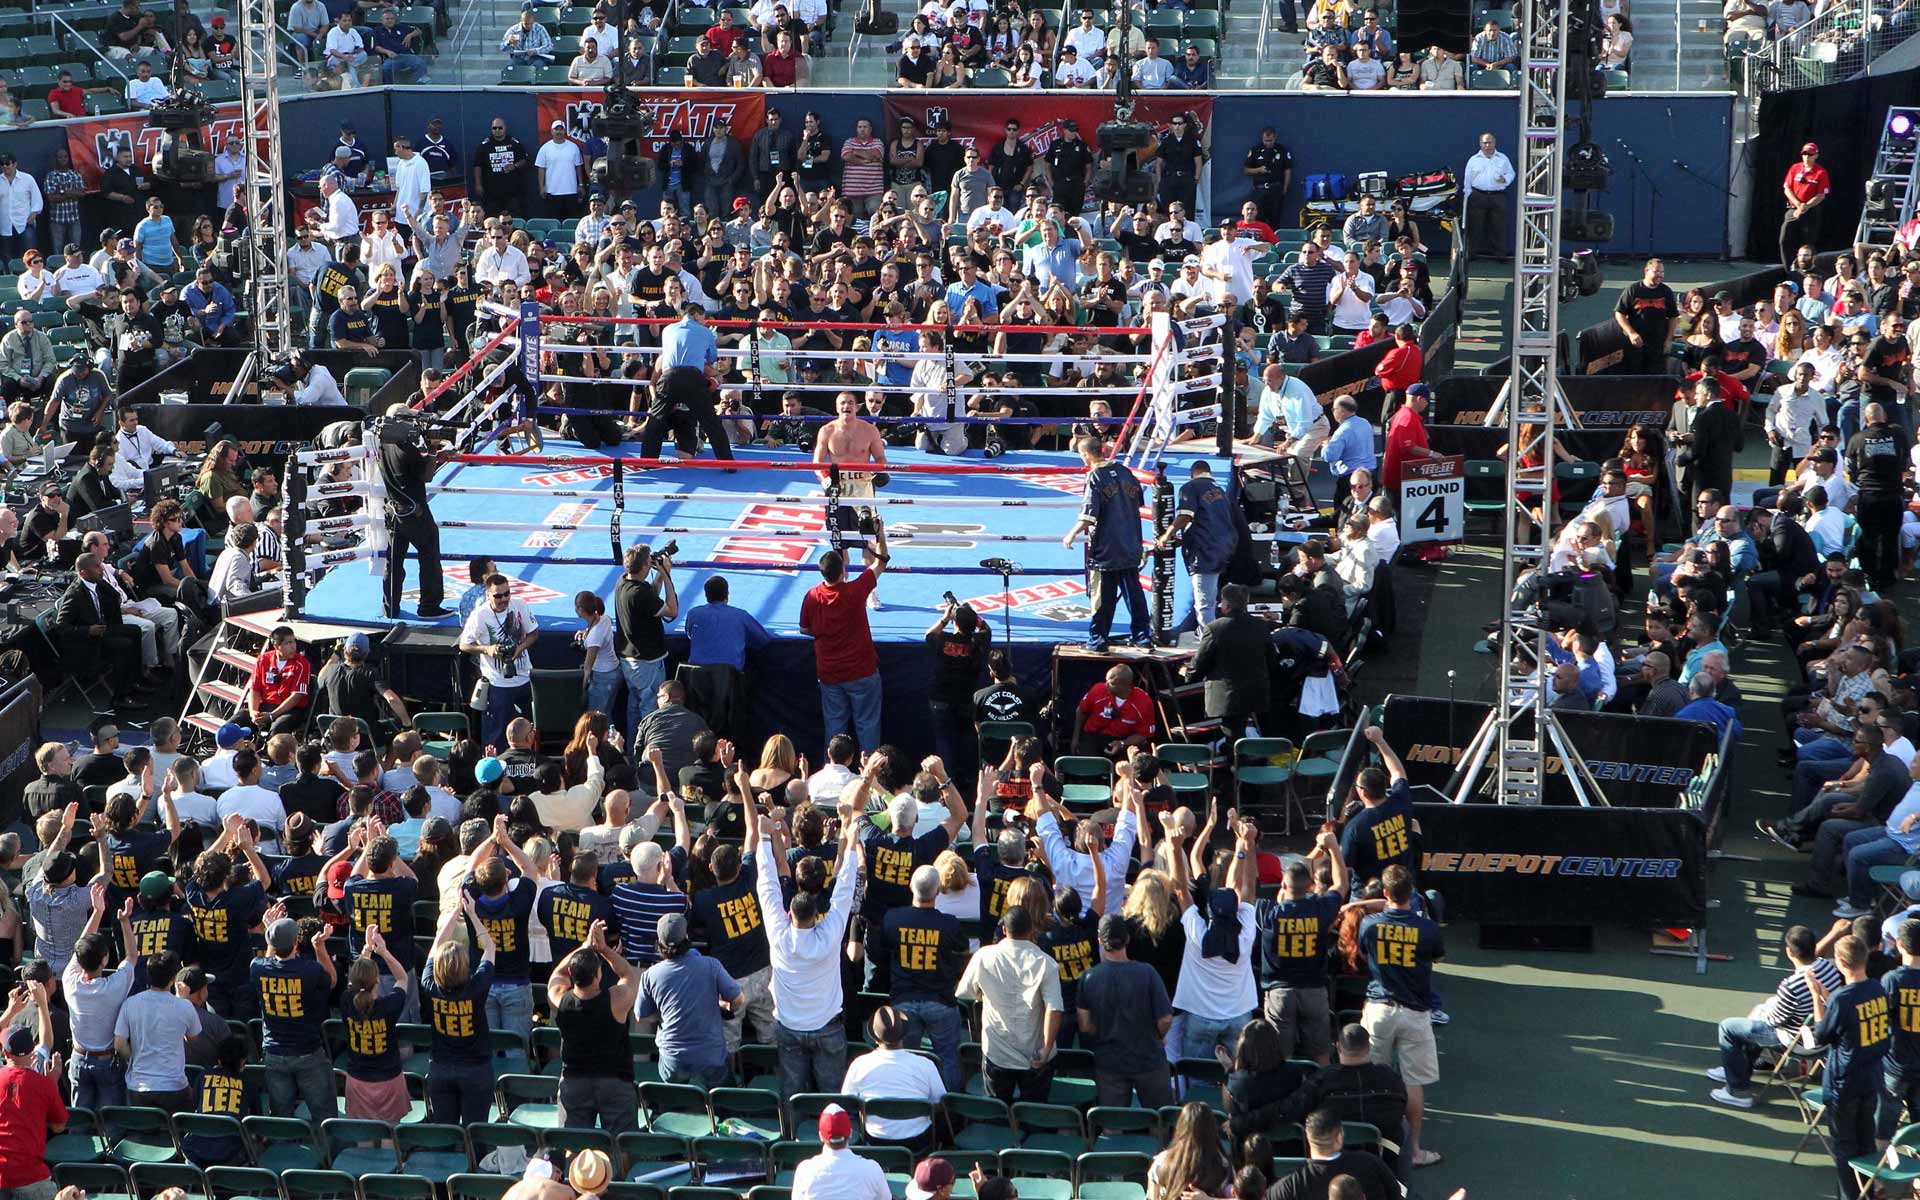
(473, 361)
(735, 323)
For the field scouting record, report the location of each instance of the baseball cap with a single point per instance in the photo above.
(20, 1040)
(1419, 389)
(1068, 49)
(489, 770)
(1191, 260)
(59, 868)
(154, 885)
(1825, 454)
(741, 204)
(435, 827)
(835, 1124)
(125, 244)
(1156, 264)
(232, 734)
(283, 935)
(359, 643)
(937, 1173)
(70, 248)
(1810, 148)
(672, 930)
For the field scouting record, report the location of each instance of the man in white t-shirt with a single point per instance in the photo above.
(560, 164)
(248, 799)
(1073, 69)
(1189, 288)
(498, 634)
(1216, 990)
(1350, 297)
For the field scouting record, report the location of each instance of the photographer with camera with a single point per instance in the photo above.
(498, 634)
(644, 601)
(405, 467)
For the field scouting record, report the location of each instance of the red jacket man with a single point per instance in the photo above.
(1401, 366)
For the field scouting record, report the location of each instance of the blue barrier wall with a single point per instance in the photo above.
(1390, 132)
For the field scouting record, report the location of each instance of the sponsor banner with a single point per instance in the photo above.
(786, 552)
(1639, 762)
(1615, 402)
(981, 117)
(93, 143)
(1546, 866)
(692, 113)
(553, 539)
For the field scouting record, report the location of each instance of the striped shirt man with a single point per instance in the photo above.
(638, 906)
(1792, 1002)
(1493, 46)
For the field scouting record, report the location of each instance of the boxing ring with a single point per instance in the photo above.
(557, 522)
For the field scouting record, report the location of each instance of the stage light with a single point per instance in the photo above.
(1901, 126)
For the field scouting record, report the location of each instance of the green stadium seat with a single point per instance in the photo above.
(1201, 25)
(516, 76)
(1491, 81)
(553, 76)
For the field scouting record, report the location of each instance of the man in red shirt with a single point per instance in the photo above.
(66, 99)
(1112, 716)
(281, 686)
(1400, 367)
(780, 67)
(30, 1109)
(834, 615)
(1406, 436)
(1806, 186)
(725, 33)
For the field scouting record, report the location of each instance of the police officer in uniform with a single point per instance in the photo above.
(1180, 155)
(1068, 161)
(1270, 166)
(405, 469)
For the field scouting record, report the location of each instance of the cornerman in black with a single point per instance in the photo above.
(405, 469)
(1876, 460)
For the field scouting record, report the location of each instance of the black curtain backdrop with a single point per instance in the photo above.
(1845, 119)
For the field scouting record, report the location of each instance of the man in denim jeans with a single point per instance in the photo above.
(504, 904)
(924, 951)
(808, 1031)
(94, 996)
(643, 602)
(834, 615)
(293, 1007)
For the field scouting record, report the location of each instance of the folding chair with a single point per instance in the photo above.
(359, 1147)
(142, 1134)
(1899, 1163)
(435, 1153)
(243, 1183)
(677, 1108)
(150, 1179)
(531, 1100)
(1253, 766)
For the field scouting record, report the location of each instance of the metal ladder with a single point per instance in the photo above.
(1894, 177)
(216, 698)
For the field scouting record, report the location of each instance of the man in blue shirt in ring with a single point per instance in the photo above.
(1110, 514)
(682, 389)
(1204, 524)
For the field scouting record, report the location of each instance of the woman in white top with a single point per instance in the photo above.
(1027, 71)
(1827, 358)
(1617, 44)
(959, 890)
(1216, 996)
(600, 669)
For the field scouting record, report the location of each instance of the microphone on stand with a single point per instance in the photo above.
(1001, 566)
(1006, 569)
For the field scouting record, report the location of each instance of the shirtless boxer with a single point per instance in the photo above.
(851, 442)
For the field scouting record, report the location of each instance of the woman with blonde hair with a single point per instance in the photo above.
(453, 999)
(1029, 893)
(376, 1087)
(1153, 926)
(779, 763)
(959, 891)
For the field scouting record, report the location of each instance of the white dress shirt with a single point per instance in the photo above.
(1087, 43)
(318, 388)
(342, 219)
(1488, 173)
(607, 39)
(497, 266)
(133, 455)
(20, 199)
(806, 962)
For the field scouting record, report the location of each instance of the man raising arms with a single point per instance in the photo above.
(850, 442)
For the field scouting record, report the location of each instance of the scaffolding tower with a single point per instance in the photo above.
(1894, 187)
(1517, 733)
(268, 297)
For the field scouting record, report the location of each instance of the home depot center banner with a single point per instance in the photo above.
(691, 113)
(981, 117)
(94, 143)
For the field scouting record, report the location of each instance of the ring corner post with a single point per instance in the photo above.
(1162, 559)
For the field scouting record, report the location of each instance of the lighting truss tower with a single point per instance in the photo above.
(1518, 732)
(265, 191)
